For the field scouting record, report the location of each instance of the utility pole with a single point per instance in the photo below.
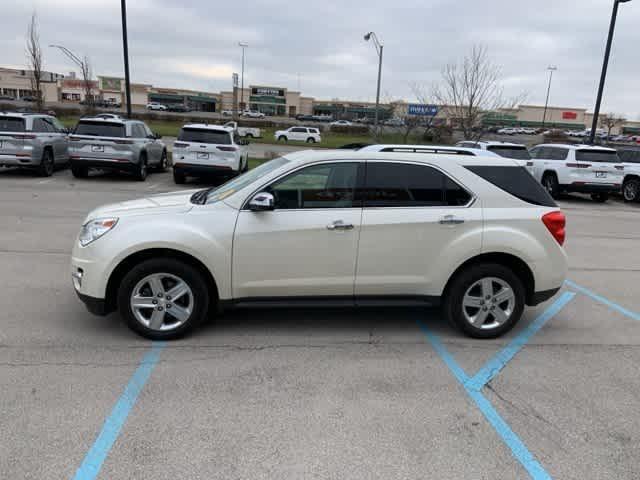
(243, 46)
(125, 48)
(379, 47)
(546, 103)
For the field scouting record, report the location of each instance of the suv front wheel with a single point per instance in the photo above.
(46, 164)
(141, 170)
(163, 299)
(485, 300)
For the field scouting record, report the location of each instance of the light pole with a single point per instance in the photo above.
(125, 49)
(603, 75)
(551, 68)
(243, 46)
(84, 70)
(379, 47)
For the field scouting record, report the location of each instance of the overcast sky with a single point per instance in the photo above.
(318, 44)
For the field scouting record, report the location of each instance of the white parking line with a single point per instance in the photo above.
(45, 181)
(152, 186)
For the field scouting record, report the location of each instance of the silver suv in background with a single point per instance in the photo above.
(116, 144)
(35, 141)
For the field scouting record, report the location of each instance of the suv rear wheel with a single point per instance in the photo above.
(631, 190)
(80, 172)
(162, 299)
(311, 140)
(46, 167)
(485, 300)
(162, 166)
(141, 171)
(282, 138)
(178, 177)
(550, 183)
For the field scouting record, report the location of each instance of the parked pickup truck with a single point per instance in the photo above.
(248, 132)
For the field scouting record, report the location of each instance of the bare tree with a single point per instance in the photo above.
(87, 83)
(34, 60)
(610, 121)
(471, 89)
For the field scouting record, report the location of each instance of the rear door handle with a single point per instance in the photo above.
(340, 225)
(451, 220)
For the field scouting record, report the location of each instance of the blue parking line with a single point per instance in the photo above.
(509, 437)
(498, 362)
(98, 452)
(601, 299)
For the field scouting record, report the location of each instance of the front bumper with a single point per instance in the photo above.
(97, 306)
(203, 170)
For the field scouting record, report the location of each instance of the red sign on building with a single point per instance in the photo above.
(569, 115)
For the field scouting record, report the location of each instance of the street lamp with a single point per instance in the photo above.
(379, 46)
(243, 46)
(551, 68)
(605, 64)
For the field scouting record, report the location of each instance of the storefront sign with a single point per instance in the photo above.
(110, 83)
(421, 109)
(272, 92)
(569, 115)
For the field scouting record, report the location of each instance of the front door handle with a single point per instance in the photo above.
(340, 225)
(451, 220)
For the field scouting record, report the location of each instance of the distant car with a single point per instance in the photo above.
(620, 138)
(203, 149)
(431, 149)
(116, 144)
(394, 122)
(245, 132)
(111, 103)
(304, 117)
(28, 98)
(34, 141)
(7, 97)
(630, 158)
(507, 131)
(298, 134)
(227, 113)
(178, 107)
(156, 106)
(529, 131)
(577, 168)
(253, 114)
(503, 149)
(341, 123)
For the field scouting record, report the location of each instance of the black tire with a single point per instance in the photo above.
(249, 135)
(162, 166)
(185, 272)
(141, 170)
(463, 281)
(47, 164)
(550, 184)
(79, 172)
(631, 190)
(245, 168)
(311, 140)
(282, 138)
(178, 177)
(600, 197)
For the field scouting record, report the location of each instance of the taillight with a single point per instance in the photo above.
(227, 149)
(555, 223)
(578, 165)
(180, 145)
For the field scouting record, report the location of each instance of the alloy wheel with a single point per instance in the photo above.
(162, 301)
(488, 303)
(630, 191)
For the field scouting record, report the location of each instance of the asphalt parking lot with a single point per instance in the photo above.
(338, 394)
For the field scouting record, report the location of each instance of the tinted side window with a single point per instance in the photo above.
(407, 185)
(516, 181)
(555, 153)
(39, 125)
(318, 186)
(299, 130)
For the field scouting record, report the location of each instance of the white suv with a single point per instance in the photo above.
(577, 168)
(156, 106)
(477, 235)
(203, 149)
(299, 134)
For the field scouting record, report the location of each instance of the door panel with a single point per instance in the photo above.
(307, 245)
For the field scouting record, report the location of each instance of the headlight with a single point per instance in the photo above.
(94, 229)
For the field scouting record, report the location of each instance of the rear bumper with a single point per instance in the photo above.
(97, 306)
(204, 170)
(15, 161)
(580, 187)
(105, 164)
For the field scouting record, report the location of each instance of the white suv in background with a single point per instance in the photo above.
(516, 151)
(477, 235)
(299, 134)
(577, 168)
(203, 149)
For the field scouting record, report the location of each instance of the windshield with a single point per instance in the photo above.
(100, 129)
(202, 135)
(11, 124)
(597, 156)
(223, 191)
(519, 153)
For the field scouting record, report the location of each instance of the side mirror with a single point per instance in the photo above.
(261, 202)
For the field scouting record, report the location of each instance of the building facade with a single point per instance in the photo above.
(18, 83)
(270, 100)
